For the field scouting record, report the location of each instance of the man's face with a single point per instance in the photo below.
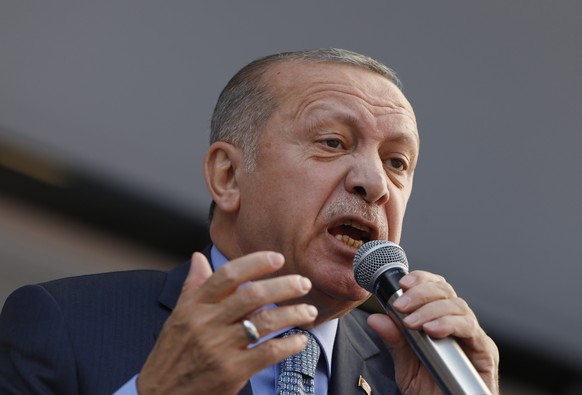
(334, 169)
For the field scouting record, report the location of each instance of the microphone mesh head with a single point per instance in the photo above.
(373, 256)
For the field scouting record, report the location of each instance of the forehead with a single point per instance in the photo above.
(307, 76)
(307, 88)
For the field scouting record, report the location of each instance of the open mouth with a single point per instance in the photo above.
(351, 233)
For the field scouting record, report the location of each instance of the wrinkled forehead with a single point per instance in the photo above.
(296, 79)
(301, 84)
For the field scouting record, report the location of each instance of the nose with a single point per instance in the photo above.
(368, 179)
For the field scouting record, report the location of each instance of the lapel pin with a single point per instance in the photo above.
(362, 383)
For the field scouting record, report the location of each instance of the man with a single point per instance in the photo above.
(312, 153)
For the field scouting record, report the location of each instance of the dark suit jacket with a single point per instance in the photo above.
(91, 334)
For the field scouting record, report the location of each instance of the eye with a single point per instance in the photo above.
(332, 143)
(398, 164)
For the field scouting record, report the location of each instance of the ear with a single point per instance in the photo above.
(220, 171)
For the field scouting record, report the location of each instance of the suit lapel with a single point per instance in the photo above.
(359, 352)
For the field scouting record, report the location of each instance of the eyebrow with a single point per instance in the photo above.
(406, 138)
(315, 120)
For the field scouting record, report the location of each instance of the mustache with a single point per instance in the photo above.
(355, 206)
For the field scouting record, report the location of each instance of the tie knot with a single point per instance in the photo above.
(306, 361)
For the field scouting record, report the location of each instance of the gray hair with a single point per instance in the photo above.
(246, 103)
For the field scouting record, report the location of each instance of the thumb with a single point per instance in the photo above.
(392, 336)
(198, 273)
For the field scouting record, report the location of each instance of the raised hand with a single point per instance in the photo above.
(204, 348)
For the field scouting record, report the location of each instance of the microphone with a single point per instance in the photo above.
(378, 266)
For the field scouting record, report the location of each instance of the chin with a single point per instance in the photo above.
(334, 279)
(343, 291)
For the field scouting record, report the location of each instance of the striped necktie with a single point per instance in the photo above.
(297, 372)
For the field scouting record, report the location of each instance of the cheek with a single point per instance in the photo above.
(277, 213)
(395, 210)
(308, 188)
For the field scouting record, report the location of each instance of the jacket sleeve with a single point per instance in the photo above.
(36, 356)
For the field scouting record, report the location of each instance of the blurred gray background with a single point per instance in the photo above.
(104, 118)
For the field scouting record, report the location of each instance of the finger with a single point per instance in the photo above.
(418, 277)
(391, 335)
(460, 326)
(257, 294)
(237, 272)
(422, 293)
(271, 320)
(269, 353)
(439, 309)
(387, 329)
